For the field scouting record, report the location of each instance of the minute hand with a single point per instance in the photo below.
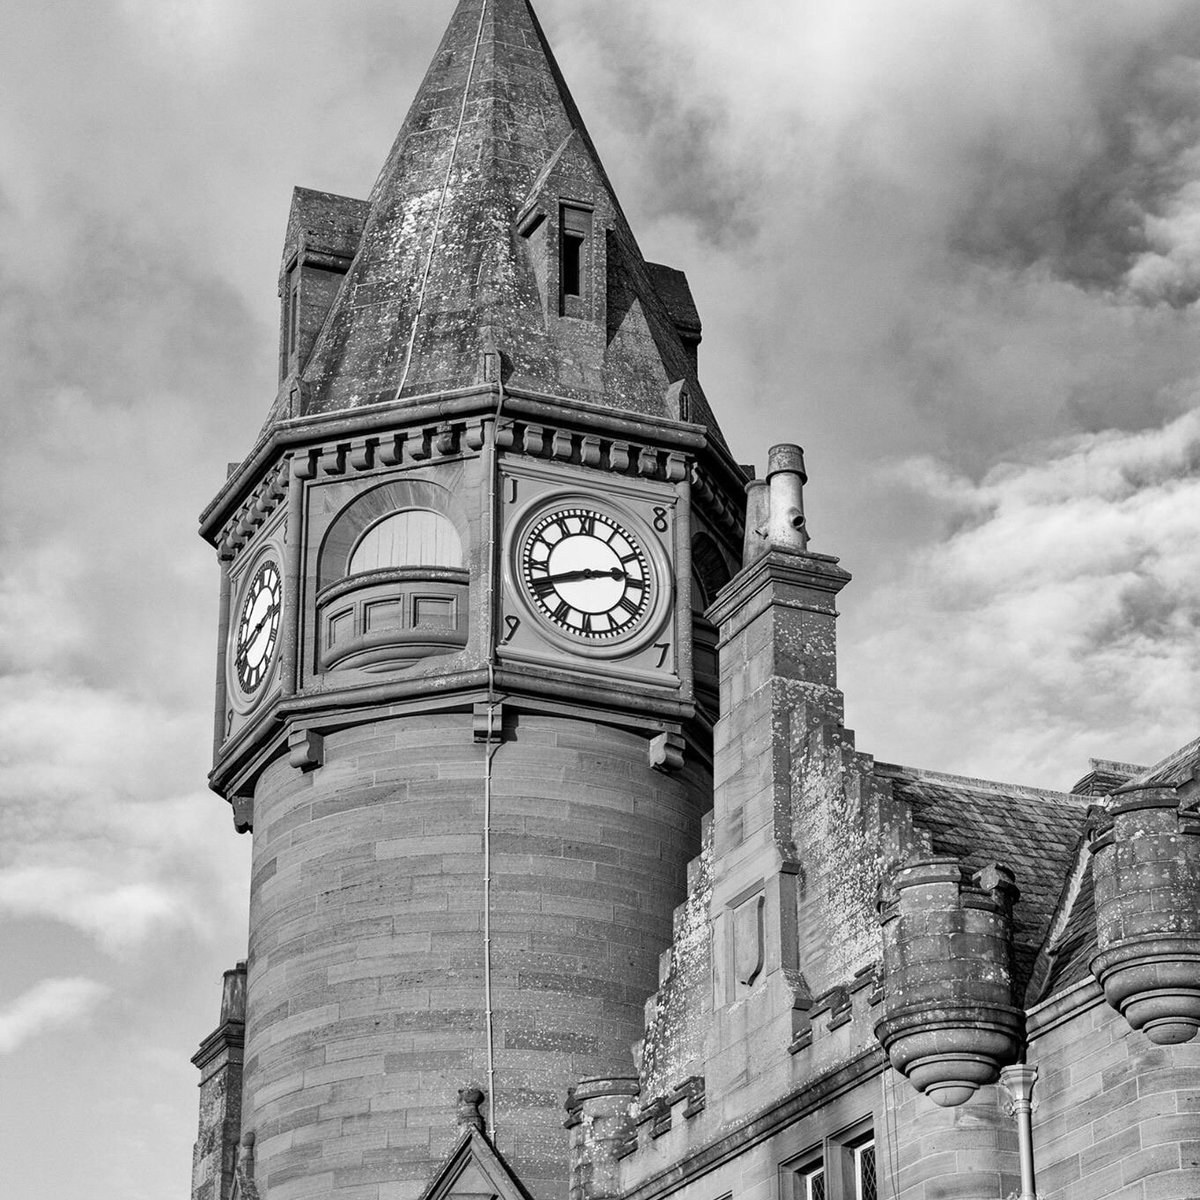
(583, 573)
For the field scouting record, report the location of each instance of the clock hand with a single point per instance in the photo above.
(257, 630)
(584, 573)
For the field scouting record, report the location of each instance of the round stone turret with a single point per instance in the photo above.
(1146, 867)
(949, 1023)
(600, 1121)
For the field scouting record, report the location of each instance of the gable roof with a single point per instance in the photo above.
(475, 1170)
(1071, 942)
(1033, 831)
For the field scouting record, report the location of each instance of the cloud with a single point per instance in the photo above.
(1058, 618)
(120, 916)
(102, 827)
(913, 226)
(50, 1004)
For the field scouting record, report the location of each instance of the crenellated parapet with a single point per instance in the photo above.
(1146, 867)
(949, 1020)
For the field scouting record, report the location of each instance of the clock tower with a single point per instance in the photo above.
(465, 687)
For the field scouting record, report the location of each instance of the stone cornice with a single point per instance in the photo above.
(779, 577)
(1061, 1007)
(622, 704)
(228, 1039)
(547, 426)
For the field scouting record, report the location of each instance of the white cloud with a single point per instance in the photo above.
(205, 30)
(102, 826)
(1058, 619)
(119, 916)
(48, 1005)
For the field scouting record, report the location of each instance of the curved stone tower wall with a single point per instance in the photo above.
(366, 994)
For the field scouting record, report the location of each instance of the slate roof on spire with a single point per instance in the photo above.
(461, 244)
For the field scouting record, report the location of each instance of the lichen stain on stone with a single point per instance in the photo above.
(842, 867)
(675, 1034)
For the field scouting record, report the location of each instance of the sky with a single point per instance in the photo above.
(952, 249)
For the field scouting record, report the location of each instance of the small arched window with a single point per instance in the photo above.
(412, 537)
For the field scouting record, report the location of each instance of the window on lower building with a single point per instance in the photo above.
(841, 1167)
(865, 1187)
(812, 1184)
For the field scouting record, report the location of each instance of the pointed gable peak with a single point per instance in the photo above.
(493, 212)
(475, 1170)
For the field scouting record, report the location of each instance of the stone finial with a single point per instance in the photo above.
(243, 1170)
(469, 1116)
(245, 1154)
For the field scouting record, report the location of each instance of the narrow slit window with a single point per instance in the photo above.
(294, 317)
(572, 264)
(576, 227)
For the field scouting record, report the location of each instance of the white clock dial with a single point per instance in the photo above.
(586, 573)
(257, 628)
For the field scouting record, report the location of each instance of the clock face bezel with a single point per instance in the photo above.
(623, 542)
(241, 634)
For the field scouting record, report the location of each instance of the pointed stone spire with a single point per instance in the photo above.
(493, 220)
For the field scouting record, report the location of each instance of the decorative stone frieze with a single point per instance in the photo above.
(254, 511)
(1146, 868)
(949, 1023)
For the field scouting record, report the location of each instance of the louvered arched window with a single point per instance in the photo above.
(412, 537)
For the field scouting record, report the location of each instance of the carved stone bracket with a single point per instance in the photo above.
(666, 752)
(306, 749)
(487, 722)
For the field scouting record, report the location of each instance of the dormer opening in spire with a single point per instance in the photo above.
(574, 260)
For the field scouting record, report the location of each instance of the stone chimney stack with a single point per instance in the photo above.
(781, 716)
(219, 1058)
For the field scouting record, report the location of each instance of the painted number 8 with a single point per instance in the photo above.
(660, 520)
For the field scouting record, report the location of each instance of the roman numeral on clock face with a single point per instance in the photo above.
(586, 573)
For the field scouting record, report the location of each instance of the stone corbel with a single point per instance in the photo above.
(487, 722)
(666, 752)
(306, 749)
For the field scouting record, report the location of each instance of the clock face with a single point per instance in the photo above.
(258, 627)
(586, 573)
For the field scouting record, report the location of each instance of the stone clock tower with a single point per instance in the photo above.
(465, 696)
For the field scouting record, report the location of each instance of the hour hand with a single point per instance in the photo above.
(581, 573)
